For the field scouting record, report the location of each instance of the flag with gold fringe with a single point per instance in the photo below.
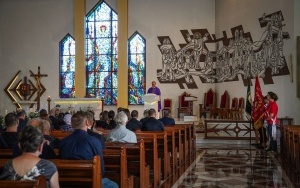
(258, 105)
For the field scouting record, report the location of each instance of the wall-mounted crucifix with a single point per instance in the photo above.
(38, 77)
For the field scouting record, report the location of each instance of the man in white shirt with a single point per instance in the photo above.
(121, 133)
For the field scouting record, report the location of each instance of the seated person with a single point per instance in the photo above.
(45, 128)
(120, 133)
(10, 136)
(152, 124)
(28, 166)
(146, 116)
(103, 122)
(53, 118)
(80, 145)
(48, 151)
(112, 122)
(67, 126)
(166, 120)
(22, 122)
(91, 131)
(133, 124)
(45, 116)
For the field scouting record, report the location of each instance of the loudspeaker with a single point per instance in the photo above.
(298, 67)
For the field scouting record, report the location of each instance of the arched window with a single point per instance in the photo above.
(101, 53)
(67, 67)
(136, 69)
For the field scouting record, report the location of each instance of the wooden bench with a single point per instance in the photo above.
(136, 161)
(116, 167)
(79, 173)
(6, 154)
(39, 182)
(76, 173)
(151, 157)
(60, 134)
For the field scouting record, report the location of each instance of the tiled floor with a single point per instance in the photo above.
(236, 166)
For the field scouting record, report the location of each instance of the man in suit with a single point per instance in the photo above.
(152, 124)
(134, 124)
(167, 120)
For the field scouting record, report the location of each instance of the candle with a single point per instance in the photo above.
(5, 112)
(49, 98)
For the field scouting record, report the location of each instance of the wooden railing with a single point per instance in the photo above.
(228, 129)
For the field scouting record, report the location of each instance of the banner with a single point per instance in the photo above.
(258, 105)
(248, 108)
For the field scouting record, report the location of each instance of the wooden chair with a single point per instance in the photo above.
(233, 111)
(167, 105)
(185, 107)
(241, 108)
(224, 105)
(208, 103)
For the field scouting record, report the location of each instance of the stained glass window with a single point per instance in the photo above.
(67, 67)
(136, 69)
(102, 53)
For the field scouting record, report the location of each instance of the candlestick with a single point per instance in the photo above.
(49, 100)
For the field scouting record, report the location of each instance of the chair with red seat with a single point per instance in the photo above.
(185, 107)
(208, 103)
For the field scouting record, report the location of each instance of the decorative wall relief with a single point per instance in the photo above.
(216, 60)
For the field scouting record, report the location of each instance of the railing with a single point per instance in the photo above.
(228, 129)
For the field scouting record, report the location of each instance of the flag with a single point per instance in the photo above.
(258, 105)
(248, 109)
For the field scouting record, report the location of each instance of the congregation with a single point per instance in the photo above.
(87, 139)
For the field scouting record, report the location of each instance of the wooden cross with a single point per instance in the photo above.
(38, 77)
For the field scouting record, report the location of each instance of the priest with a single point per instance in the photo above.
(155, 90)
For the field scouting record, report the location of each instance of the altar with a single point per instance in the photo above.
(72, 105)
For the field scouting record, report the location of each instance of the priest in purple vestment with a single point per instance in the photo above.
(155, 90)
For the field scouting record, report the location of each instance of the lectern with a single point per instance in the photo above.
(151, 101)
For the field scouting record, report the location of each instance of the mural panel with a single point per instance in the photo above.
(216, 60)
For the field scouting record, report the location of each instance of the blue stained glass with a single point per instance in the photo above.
(90, 17)
(104, 45)
(103, 12)
(90, 80)
(115, 80)
(136, 96)
(106, 94)
(136, 69)
(90, 65)
(90, 29)
(114, 96)
(137, 45)
(115, 45)
(67, 67)
(101, 47)
(103, 29)
(115, 63)
(137, 62)
(115, 29)
(114, 16)
(105, 79)
(105, 63)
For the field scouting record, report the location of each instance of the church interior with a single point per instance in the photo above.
(205, 56)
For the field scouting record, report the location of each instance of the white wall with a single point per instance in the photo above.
(31, 30)
(166, 18)
(231, 13)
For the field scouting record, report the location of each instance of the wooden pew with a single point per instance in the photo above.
(76, 173)
(152, 158)
(162, 149)
(60, 134)
(6, 154)
(116, 167)
(136, 161)
(172, 149)
(79, 173)
(40, 182)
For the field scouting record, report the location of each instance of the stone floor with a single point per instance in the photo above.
(228, 165)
